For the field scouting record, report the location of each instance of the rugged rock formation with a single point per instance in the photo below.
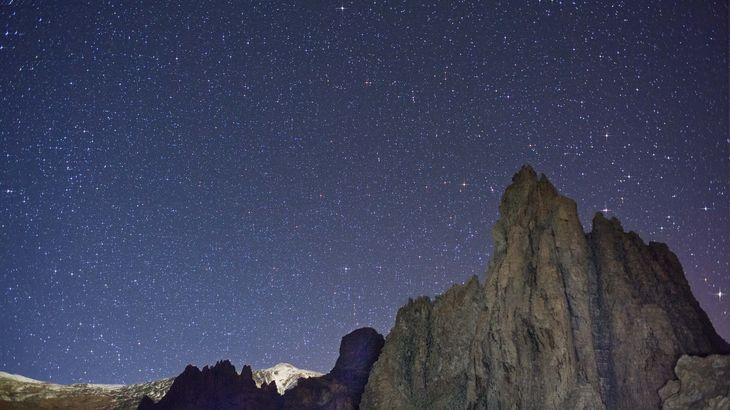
(221, 388)
(650, 310)
(341, 388)
(428, 353)
(214, 388)
(18, 392)
(564, 319)
(703, 384)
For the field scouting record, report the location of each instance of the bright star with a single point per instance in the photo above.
(719, 295)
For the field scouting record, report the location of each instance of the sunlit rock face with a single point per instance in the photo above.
(564, 319)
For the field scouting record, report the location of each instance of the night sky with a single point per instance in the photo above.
(252, 180)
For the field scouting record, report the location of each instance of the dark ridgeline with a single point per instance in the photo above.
(342, 387)
(564, 320)
(221, 388)
(217, 387)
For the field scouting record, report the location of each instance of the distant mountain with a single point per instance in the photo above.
(19, 392)
(284, 374)
(220, 387)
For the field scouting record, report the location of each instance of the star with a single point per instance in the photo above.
(260, 163)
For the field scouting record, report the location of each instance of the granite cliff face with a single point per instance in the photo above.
(564, 319)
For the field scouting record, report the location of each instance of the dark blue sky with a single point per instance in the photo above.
(252, 180)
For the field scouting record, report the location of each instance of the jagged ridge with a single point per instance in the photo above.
(20, 392)
(221, 388)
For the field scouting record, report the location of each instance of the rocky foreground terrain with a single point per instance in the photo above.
(563, 320)
(703, 383)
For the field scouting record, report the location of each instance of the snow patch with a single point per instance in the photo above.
(285, 375)
(18, 378)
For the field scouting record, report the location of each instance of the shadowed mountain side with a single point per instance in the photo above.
(217, 387)
(342, 387)
(221, 388)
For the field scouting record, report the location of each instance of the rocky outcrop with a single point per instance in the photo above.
(221, 388)
(703, 383)
(216, 388)
(427, 353)
(18, 392)
(564, 319)
(342, 387)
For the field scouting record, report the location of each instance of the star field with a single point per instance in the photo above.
(187, 182)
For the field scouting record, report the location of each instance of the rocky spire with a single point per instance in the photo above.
(563, 320)
(538, 293)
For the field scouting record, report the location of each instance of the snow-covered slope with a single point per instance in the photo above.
(284, 374)
(17, 378)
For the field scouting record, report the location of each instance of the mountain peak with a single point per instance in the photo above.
(601, 222)
(564, 319)
(526, 172)
(285, 375)
(527, 176)
(528, 204)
